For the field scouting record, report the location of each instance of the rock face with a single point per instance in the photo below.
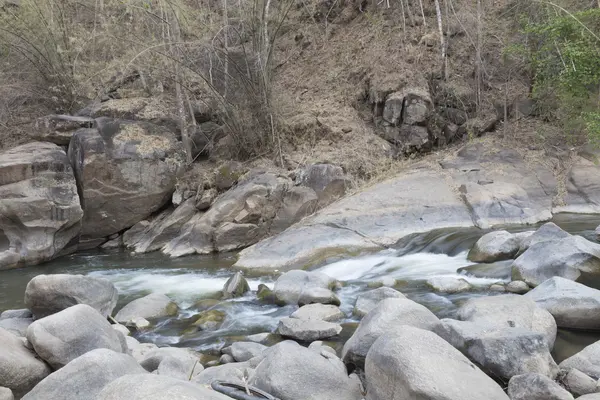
(367, 301)
(49, 294)
(40, 214)
(582, 185)
(536, 387)
(62, 337)
(387, 317)
(412, 363)
(302, 287)
(20, 369)
(510, 311)
(495, 246)
(500, 352)
(569, 257)
(151, 306)
(84, 377)
(586, 361)
(125, 171)
(307, 330)
(284, 374)
(572, 304)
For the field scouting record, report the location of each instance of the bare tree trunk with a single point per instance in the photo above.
(226, 44)
(422, 13)
(438, 13)
(478, 55)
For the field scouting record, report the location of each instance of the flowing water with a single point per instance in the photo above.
(191, 279)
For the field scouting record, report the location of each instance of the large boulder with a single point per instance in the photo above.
(510, 311)
(125, 171)
(328, 181)
(572, 257)
(572, 304)
(49, 294)
(413, 363)
(586, 361)
(156, 387)
(307, 330)
(496, 246)
(305, 287)
(40, 214)
(292, 372)
(536, 387)
(548, 231)
(500, 352)
(151, 307)
(20, 369)
(84, 377)
(62, 337)
(367, 301)
(387, 317)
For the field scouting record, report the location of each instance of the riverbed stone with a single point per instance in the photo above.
(323, 312)
(232, 372)
(413, 363)
(40, 212)
(365, 302)
(6, 394)
(449, 284)
(86, 376)
(284, 374)
(385, 318)
(151, 307)
(61, 337)
(172, 361)
(517, 287)
(495, 246)
(586, 361)
(512, 311)
(294, 286)
(20, 368)
(49, 294)
(548, 231)
(17, 326)
(307, 330)
(236, 286)
(210, 320)
(500, 352)
(572, 304)
(498, 270)
(577, 383)
(536, 387)
(21, 313)
(244, 351)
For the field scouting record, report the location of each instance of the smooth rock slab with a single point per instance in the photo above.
(586, 361)
(152, 306)
(323, 312)
(307, 330)
(536, 387)
(367, 301)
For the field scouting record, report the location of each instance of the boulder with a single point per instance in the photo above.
(232, 372)
(125, 171)
(6, 394)
(172, 361)
(20, 369)
(244, 351)
(16, 326)
(284, 374)
(500, 352)
(58, 129)
(586, 361)
(323, 312)
(139, 350)
(572, 304)
(40, 214)
(410, 106)
(318, 295)
(577, 383)
(156, 387)
(62, 337)
(510, 311)
(86, 376)
(328, 181)
(495, 246)
(448, 284)
(548, 231)
(49, 294)
(592, 396)
(208, 197)
(498, 270)
(121, 328)
(228, 173)
(297, 203)
(318, 347)
(152, 306)
(307, 330)
(517, 287)
(231, 236)
(365, 302)
(236, 286)
(295, 287)
(413, 363)
(536, 387)
(387, 317)
(22, 313)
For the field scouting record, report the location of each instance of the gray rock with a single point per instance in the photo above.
(592, 396)
(298, 202)
(536, 387)
(586, 361)
(548, 231)
(412, 363)
(236, 286)
(497, 270)
(40, 213)
(228, 173)
(121, 328)
(517, 287)
(319, 347)
(582, 184)
(510, 311)
(497, 287)
(323, 312)
(156, 387)
(232, 372)
(244, 351)
(6, 394)
(284, 374)
(318, 295)
(22, 313)
(152, 306)
(175, 368)
(86, 376)
(20, 369)
(307, 330)
(132, 235)
(226, 359)
(577, 383)
(500, 352)
(138, 323)
(495, 246)
(206, 200)
(328, 181)
(49, 294)
(448, 284)
(17, 326)
(62, 337)
(365, 302)
(387, 317)
(179, 362)
(139, 350)
(572, 304)
(297, 285)
(231, 236)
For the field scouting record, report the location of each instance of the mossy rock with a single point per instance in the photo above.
(205, 304)
(267, 296)
(210, 320)
(172, 309)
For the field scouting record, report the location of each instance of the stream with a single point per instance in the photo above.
(189, 280)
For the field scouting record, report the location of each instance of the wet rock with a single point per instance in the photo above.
(500, 352)
(577, 383)
(152, 306)
(517, 287)
(323, 312)
(210, 320)
(307, 330)
(16, 326)
(283, 374)
(20, 369)
(6, 394)
(236, 286)
(86, 376)
(266, 295)
(125, 171)
(367, 301)
(22, 313)
(586, 361)
(495, 246)
(49, 294)
(40, 217)
(572, 304)
(385, 319)
(413, 363)
(536, 387)
(448, 284)
(244, 351)
(328, 181)
(497, 270)
(511, 311)
(61, 337)
(297, 285)
(172, 361)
